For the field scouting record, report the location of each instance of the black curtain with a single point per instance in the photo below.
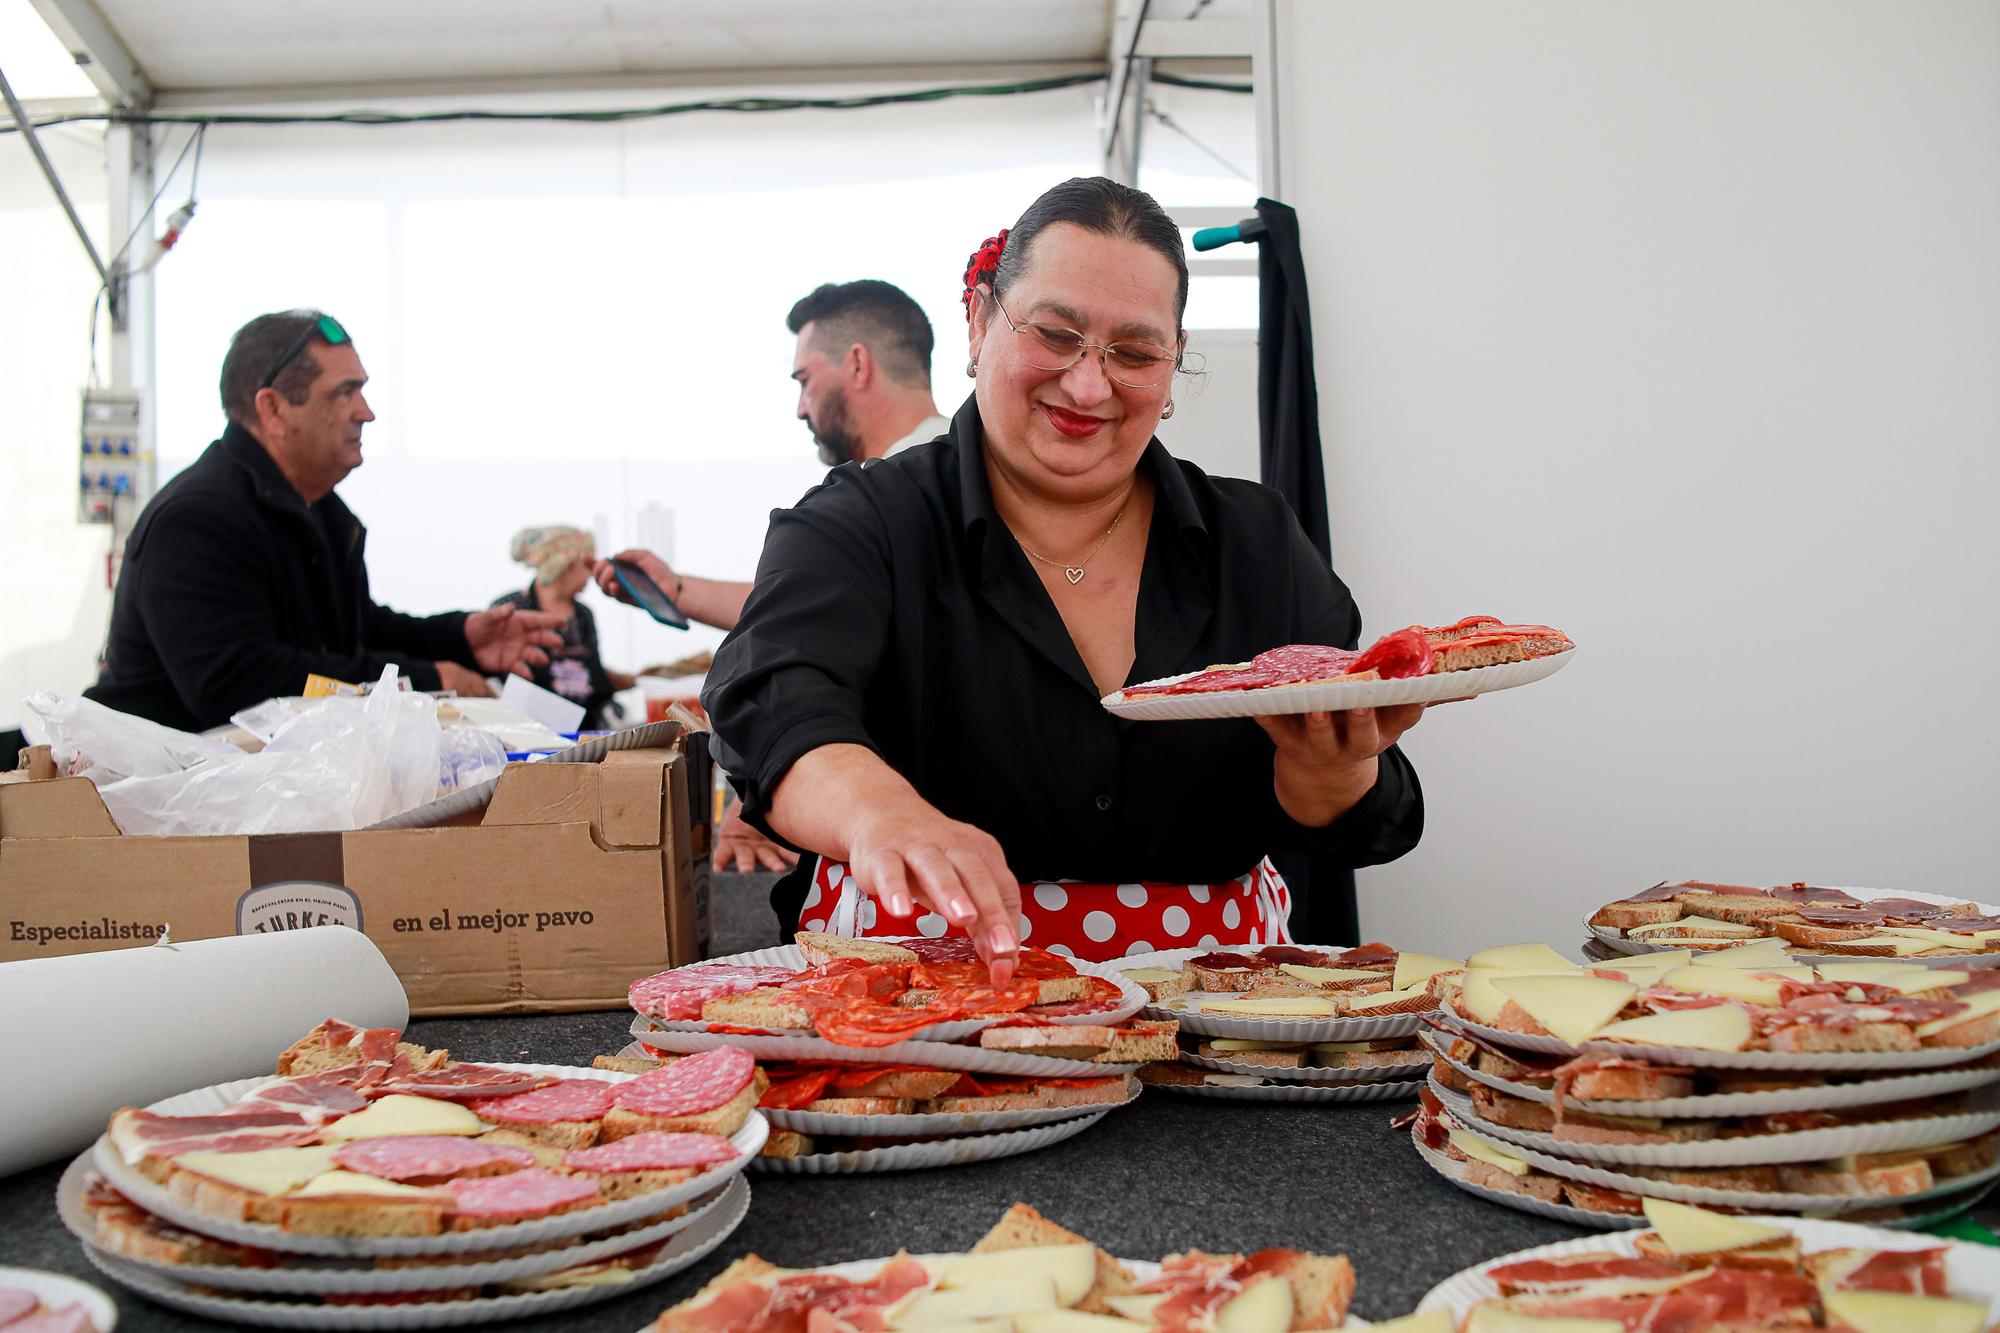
(1288, 451)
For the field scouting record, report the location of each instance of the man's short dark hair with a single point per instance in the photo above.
(878, 315)
(256, 345)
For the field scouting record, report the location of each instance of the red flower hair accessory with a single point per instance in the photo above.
(985, 262)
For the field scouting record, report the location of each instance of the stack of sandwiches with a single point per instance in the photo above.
(1737, 1078)
(1819, 922)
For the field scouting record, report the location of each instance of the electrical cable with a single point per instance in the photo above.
(1175, 126)
(200, 133)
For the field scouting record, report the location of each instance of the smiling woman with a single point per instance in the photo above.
(913, 690)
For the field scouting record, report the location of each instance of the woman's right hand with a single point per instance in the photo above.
(649, 564)
(911, 850)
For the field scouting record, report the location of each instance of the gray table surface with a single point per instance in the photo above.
(1167, 1173)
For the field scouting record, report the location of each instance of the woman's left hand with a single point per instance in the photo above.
(1326, 762)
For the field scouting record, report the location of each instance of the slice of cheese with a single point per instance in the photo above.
(353, 1182)
(1712, 943)
(1664, 961)
(399, 1113)
(1976, 1006)
(268, 1171)
(1072, 1268)
(1343, 1047)
(1495, 1319)
(1232, 1080)
(1073, 1321)
(1696, 925)
(1901, 946)
(1328, 976)
(1266, 1305)
(1483, 1151)
(1537, 957)
(1763, 953)
(1275, 1006)
(1245, 1044)
(966, 1304)
(1363, 1003)
(1571, 1007)
(1891, 1312)
(1944, 938)
(1720, 1027)
(1151, 976)
(1730, 982)
(1903, 978)
(1139, 1307)
(1415, 968)
(1687, 1230)
(1478, 1000)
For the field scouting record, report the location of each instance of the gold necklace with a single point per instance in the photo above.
(1074, 573)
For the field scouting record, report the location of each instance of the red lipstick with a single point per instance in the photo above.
(1073, 424)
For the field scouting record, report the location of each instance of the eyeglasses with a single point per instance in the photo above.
(326, 326)
(1136, 365)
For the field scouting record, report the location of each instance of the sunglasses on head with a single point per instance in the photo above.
(326, 327)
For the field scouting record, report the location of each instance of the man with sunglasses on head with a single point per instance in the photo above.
(245, 575)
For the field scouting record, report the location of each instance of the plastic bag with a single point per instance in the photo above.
(345, 764)
(467, 757)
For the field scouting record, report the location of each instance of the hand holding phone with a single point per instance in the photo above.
(647, 595)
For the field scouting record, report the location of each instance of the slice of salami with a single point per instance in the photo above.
(528, 1193)
(691, 1086)
(562, 1101)
(653, 1151)
(425, 1156)
(680, 994)
(459, 1082)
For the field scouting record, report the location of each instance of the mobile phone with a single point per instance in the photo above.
(650, 596)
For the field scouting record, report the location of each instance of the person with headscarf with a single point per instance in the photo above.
(563, 559)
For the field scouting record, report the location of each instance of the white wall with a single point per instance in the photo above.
(1676, 325)
(53, 594)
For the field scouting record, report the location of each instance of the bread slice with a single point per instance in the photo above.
(1575, 1127)
(765, 1007)
(548, 1154)
(1806, 1037)
(127, 1230)
(311, 1054)
(1745, 1179)
(632, 1064)
(1513, 1018)
(821, 948)
(725, 1120)
(364, 1215)
(1975, 1031)
(1629, 1085)
(787, 1144)
(1780, 1254)
(1069, 1041)
(1224, 978)
(1322, 1287)
(1813, 934)
(1535, 1185)
(1172, 1074)
(914, 1084)
(1161, 983)
(1021, 1227)
(1140, 1040)
(863, 1105)
(1447, 1075)
(1960, 1159)
(1514, 1112)
(1624, 916)
(1291, 1059)
(1877, 1175)
(1744, 909)
(685, 1317)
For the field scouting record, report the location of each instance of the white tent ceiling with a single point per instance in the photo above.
(192, 51)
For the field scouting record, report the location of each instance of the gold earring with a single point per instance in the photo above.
(1168, 410)
(972, 370)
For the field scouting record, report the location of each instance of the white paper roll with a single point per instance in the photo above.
(83, 1035)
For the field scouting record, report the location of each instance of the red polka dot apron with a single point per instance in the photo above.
(1094, 922)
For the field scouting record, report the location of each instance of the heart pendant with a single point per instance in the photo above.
(1072, 573)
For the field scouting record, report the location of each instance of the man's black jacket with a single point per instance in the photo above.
(234, 590)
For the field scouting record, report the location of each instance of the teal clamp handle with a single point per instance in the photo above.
(1214, 238)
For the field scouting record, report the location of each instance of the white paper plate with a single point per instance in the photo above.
(686, 1249)
(1618, 943)
(1973, 1271)
(1891, 1088)
(1325, 696)
(1132, 999)
(1300, 1092)
(1562, 1212)
(306, 1275)
(1869, 1062)
(1193, 1020)
(941, 1122)
(206, 1101)
(56, 1291)
(1807, 1145)
(1759, 1200)
(931, 1054)
(941, 1152)
(1415, 1069)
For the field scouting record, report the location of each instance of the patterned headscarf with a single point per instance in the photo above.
(552, 552)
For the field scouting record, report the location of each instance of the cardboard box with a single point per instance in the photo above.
(576, 879)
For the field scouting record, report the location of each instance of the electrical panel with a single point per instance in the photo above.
(115, 468)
